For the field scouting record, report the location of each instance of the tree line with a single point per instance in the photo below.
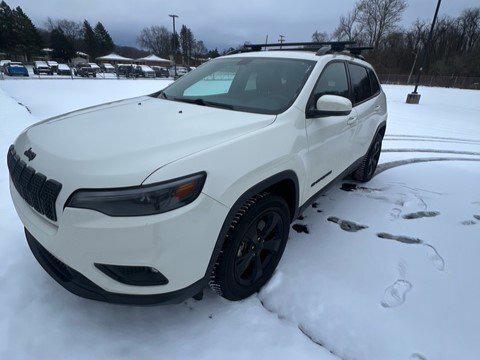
(185, 47)
(20, 37)
(455, 47)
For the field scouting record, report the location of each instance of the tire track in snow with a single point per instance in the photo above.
(438, 151)
(392, 164)
(428, 137)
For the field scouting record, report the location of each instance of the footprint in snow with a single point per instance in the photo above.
(468, 222)
(420, 214)
(346, 225)
(396, 293)
(417, 356)
(435, 257)
(476, 217)
(300, 228)
(437, 260)
(400, 238)
(352, 187)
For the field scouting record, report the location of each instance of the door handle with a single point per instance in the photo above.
(351, 120)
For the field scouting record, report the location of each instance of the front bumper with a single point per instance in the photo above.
(178, 243)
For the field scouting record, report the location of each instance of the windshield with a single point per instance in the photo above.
(259, 85)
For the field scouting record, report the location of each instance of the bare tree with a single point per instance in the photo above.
(156, 39)
(378, 18)
(318, 36)
(469, 21)
(71, 29)
(347, 29)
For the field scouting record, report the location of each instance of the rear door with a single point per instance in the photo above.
(328, 136)
(366, 101)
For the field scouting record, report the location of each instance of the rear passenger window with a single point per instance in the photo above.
(333, 81)
(360, 83)
(373, 82)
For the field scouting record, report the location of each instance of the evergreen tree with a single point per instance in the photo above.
(104, 40)
(187, 41)
(27, 38)
(90, 41)
(62, 45)
(7, 42)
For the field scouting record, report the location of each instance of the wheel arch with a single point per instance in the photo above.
(284, 184)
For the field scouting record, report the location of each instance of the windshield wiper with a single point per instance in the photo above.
(202, 102)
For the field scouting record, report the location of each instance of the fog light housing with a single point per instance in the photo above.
(133, 275)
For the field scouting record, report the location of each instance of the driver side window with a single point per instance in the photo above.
(332, 81)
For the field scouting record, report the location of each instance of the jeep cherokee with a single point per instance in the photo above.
(152, 199)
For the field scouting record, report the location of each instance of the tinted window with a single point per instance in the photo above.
(373, 82)
(333, 81)
(261, 85)
(360, 83)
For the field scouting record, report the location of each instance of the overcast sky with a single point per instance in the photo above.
(219, 23)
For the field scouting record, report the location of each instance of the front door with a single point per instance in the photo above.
(328, 136)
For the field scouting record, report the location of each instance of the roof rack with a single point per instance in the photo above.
(320, 48)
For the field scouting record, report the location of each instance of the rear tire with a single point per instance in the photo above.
(253, 247)
(367, 168)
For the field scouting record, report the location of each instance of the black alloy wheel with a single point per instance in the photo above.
(253, 247)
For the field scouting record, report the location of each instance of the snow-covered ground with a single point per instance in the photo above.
(388, 269)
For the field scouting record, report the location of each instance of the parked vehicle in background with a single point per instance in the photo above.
(161, 72)
(16, 69)
(126, 70)
(190, 68)
(107, 68)
(154, 211)
(3, 64)
(180, 71)
(144, 71)
(64, 69)
(41, 67)
(94, 67)
(85, 70)
(53, 65)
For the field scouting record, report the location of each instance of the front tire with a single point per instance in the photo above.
(367, 168)
(253, 247)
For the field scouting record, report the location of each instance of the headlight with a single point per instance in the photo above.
(140, 200)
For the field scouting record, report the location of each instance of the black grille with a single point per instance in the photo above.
(38, 191)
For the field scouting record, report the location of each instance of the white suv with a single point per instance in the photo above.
(151, 199)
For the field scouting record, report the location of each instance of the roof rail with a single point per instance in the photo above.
(320, 48)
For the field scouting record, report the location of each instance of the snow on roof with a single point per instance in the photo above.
(145, 68)
(47, 50)
(152, 58)
(80, 53)
(3, 62)
(95, 66)
(108, 66)
(63, 67)
(114, 57)
(52, 63)
(41, 63)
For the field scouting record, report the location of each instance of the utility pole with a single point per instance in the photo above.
(174, 44)
(413, 66)
(266, 41)
(414, 97)
(281, 40)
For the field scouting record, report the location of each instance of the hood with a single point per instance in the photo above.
(121, 143)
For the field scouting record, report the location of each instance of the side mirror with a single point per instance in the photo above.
(333, 105)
